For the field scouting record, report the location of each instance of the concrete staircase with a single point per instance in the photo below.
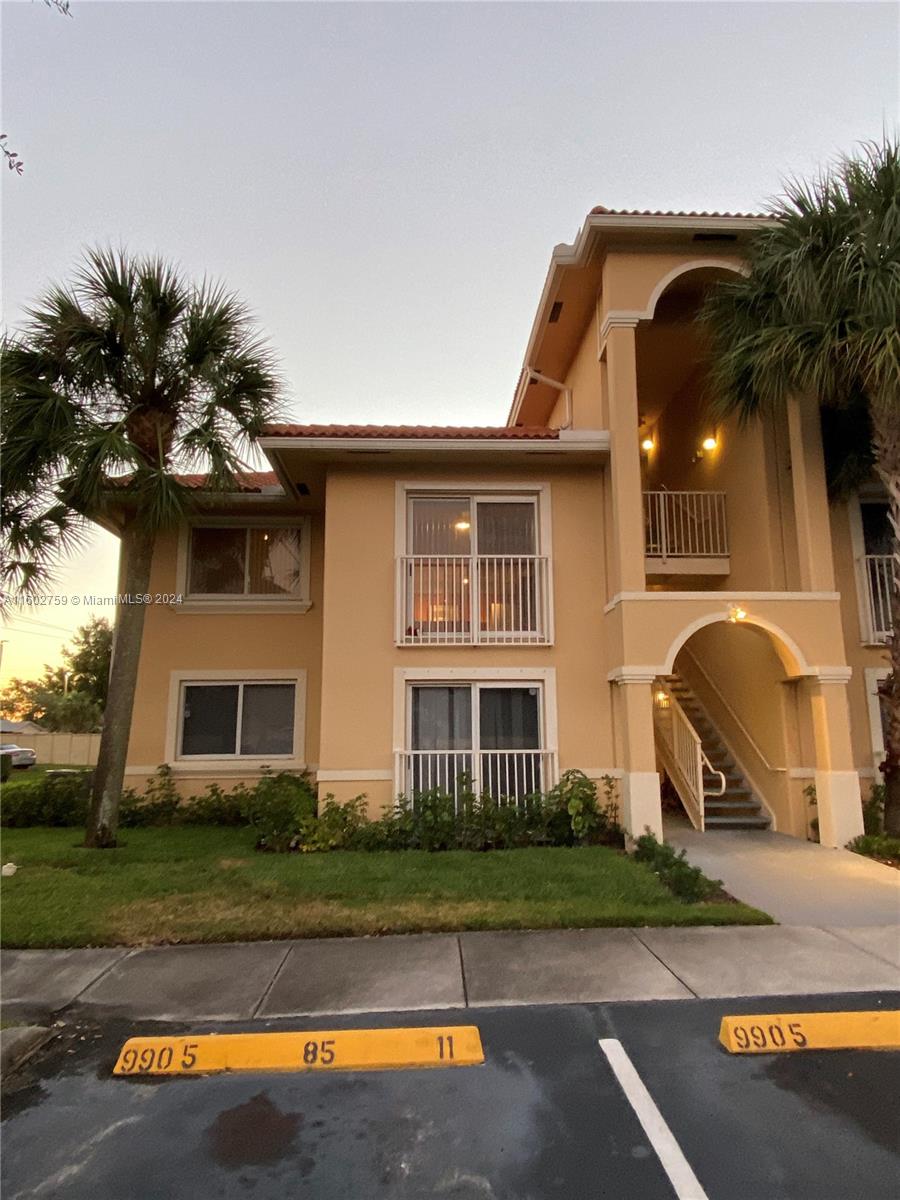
(737, 807)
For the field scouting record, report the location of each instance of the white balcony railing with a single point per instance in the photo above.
(458, 600)
(510, 775)
(878, 578)
(685, 525)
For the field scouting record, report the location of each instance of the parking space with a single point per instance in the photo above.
(545, 1116)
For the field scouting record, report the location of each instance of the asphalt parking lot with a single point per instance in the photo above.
(544, 1116)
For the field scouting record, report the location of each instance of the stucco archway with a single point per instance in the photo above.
(792, 657)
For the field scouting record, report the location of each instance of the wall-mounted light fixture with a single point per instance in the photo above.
(661, 699)
(710, 442)
(647, 444)
(737, 613)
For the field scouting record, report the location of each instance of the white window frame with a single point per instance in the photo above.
(874, 676)
(510, 490)
(507, 491)
(543, 678)
(858, 550)
(244, 602)
(203, 763)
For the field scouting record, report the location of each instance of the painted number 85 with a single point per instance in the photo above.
(319, 1052)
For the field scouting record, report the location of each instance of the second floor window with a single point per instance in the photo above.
(473, 571)
(470, 526)
(240, 561)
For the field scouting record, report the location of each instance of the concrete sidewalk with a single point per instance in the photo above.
(796, 882)
(352, 975)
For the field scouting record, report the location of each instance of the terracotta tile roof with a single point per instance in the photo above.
(601, 210)
(249, 481)
(524, 433)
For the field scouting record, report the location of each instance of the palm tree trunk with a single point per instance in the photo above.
(886, 424)
(103, 822)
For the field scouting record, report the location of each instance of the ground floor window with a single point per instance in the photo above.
(485, 735)
(238, 719)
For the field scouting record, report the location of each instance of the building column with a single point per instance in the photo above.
(641, 803)
(628, 573)
(838, 799)
(811, 510)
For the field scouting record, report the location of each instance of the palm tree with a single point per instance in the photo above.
(114, 384)
(818, 313)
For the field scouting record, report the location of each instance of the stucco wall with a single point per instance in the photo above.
(180, 641)
(358, 687)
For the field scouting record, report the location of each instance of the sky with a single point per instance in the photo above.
(384, 183)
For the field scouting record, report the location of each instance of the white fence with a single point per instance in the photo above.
(685, 525)
(62, 749)
(462, 600)
(506, 774)
(878, 576)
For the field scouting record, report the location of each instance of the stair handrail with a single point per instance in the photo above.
(712, 770)
(737, 720)
(695, 784)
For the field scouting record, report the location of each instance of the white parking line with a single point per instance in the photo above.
(676, 1166)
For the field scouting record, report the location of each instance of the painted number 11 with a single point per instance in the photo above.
(445, 1046)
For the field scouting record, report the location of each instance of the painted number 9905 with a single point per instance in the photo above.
(769, 1037)
(158, 1058)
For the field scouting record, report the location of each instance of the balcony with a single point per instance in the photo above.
(878, 586)
(685, 533)
(463, 600)
(507, 775)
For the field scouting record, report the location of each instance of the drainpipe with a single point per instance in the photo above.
(530, 374)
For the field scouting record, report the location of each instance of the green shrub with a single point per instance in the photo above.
(339, 826)
(54, 799)
(281, 808)
(873, 810)
(158, 805)
(684, 881)
(5, 767)
(215, 806)
(877, 845)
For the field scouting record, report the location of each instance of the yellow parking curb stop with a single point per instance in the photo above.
(328, 1050)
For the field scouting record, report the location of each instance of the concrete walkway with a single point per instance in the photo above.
(796, 882)
(353, 975)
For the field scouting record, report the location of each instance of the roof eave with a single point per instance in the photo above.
(576, 255)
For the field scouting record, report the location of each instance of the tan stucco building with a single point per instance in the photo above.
(608, 582)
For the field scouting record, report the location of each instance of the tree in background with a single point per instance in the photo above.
(818, 313)
(133, 374)
(70, 698)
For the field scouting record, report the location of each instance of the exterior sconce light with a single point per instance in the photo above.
(710, 443)
(736, 613)
(662, 699)
(647, 444)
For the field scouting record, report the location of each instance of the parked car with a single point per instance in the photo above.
(21, 758)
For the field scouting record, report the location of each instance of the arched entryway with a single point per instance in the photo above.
(750, 736)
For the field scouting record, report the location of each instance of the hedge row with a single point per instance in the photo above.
(284, 812)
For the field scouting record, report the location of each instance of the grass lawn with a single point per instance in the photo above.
(19, 775)
(206, 884)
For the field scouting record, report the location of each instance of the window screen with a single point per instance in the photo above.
(238, 718)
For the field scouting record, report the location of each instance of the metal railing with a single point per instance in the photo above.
(461, 599)
(684, 757)
(685, 525)
(878, 577)
(507, 775)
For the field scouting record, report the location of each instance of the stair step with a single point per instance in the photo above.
(736, 822)
(736, 807)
